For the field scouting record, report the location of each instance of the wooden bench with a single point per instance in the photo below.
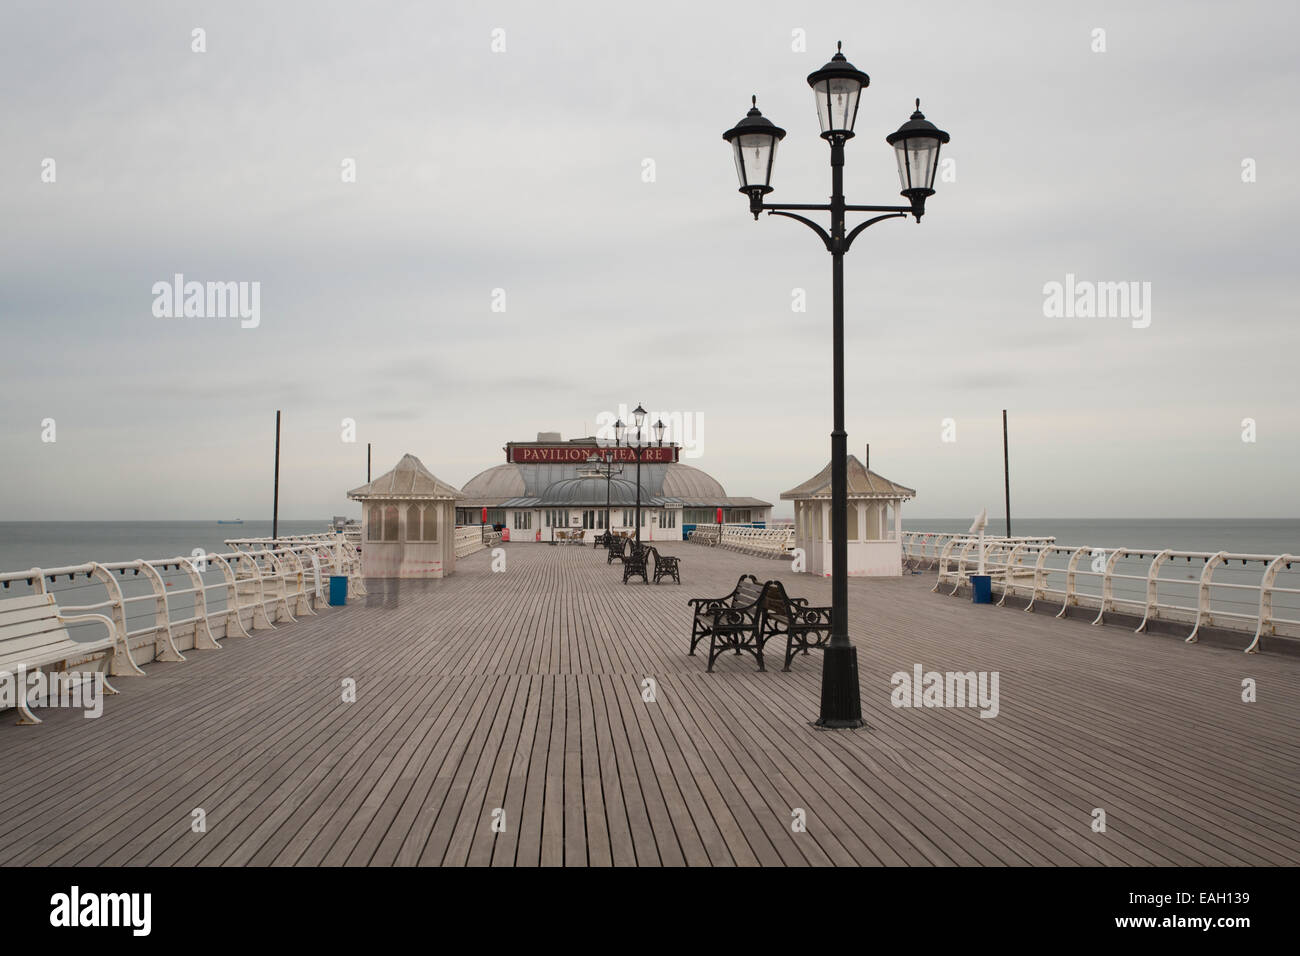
(33, 635)
(737, 608)
(666, 566)
(804, 627)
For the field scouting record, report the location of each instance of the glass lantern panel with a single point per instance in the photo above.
(917, 162)
(754, 155)
(837, 103)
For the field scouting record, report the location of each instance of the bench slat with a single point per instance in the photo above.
(40, 644)
(26, 600)
(29, 612)
(17, 631)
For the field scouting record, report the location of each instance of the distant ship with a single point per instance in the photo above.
(232, 521)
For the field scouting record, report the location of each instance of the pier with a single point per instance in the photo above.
(501, 719)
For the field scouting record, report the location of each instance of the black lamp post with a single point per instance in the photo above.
(638, 449)
(837, 87)
(602, 465)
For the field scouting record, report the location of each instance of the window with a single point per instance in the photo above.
(736, 515)
(557, 518)
(390, 523)
(668, 518)
(429, 530)
(853, 521)
(523, 520)
(589, 519)
(375, 524)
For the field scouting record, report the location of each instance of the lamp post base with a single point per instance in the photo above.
(841, 707)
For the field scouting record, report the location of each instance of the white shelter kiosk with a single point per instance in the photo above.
(408, 523)
(875, 521)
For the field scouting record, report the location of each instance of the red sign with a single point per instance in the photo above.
(578, 454)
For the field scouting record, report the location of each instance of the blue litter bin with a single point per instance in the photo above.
(338, 590)
(981, 588)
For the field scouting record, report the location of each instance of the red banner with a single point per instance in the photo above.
(578, 454)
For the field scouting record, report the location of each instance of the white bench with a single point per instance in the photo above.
(33, 635)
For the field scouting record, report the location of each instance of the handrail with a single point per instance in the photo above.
(1113, 580)
(260, 583)
(763, 542)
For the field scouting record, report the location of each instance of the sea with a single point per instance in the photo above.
(51, 544)
(54, 544)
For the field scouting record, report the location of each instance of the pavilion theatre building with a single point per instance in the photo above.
(549, 485)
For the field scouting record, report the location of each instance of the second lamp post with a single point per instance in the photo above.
(638, 449)
(836, 88)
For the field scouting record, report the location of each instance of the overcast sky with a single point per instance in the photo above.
(525, 170)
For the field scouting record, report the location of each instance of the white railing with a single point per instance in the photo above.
(706, 534)
(764, 542)
(923, 548)
(472, 537)
(1257, 593)
(170, 605)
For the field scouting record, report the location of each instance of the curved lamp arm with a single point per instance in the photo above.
(848, 240)
(825, 236)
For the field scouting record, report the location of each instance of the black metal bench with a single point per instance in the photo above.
(666, 566)
(731, 621)
(634, 562)
(600, 541)
(804, 627)
(617, 549)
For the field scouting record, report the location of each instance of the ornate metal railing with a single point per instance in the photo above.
(473, 537)
(1252, 593)
(765, 542)
(165, 606)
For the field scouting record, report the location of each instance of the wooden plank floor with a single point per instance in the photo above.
(515, 698)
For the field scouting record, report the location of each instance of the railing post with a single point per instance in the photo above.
(1153, 589)
(203, 639)
(164, 647)
(1107, 602)
(1266, 584)
(1071, 596)
(117, 611)
(1203, 596)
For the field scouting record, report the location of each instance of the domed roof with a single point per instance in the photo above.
(683, 481)
(590, 490)
(499, 481)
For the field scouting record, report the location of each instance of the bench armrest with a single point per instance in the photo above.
(708, 604)
(810, 616)
(82, 618)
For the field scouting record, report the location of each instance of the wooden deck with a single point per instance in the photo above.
(522, 691)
